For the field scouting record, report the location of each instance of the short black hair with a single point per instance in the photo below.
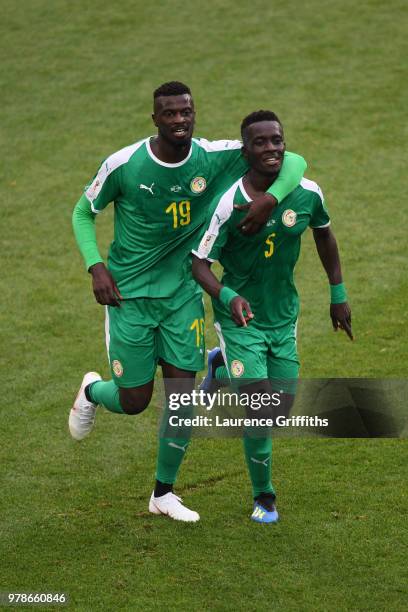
(172, 88)
(255, 117)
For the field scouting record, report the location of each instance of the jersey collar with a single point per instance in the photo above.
(165, 164)
(243, 190)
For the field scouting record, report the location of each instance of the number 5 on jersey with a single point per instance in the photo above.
(270, 244)
(181, 213)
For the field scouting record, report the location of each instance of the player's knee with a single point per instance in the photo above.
(285, 405)
(133, 401)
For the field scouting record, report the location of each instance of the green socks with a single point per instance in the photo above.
(171, 454)
(172, 449)
(107, 394)
(258, 454)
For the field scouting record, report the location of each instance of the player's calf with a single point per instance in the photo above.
(135, 400)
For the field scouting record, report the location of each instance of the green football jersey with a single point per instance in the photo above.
(260, 268)
(159, 210)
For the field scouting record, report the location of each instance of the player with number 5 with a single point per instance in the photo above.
(256, 304)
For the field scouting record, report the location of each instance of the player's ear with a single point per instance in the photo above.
(154, 119)
(244, 152)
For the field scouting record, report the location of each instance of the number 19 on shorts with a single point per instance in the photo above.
(198, 326)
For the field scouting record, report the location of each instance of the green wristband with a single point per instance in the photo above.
(226, 296)
(338, 294)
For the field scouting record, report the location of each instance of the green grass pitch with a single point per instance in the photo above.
(76, 83)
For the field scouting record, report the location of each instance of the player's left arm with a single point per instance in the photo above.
(259, 211)
(340, 311)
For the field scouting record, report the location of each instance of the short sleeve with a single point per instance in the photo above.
(106, 184)
(216, 227)
(211, 243)
(104, 188)
(320, 215)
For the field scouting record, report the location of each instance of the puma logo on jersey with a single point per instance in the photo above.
(141, 186)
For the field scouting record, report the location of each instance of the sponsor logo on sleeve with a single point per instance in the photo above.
(206, 244)
(94, 189)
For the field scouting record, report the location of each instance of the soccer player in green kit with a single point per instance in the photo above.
(161, 188)
(256, 304)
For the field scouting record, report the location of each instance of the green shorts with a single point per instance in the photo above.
(260, 353)
(144, 330)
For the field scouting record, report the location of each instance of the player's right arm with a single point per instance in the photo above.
(105, 187)
(83, 223)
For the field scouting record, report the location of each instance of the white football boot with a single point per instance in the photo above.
(82, 415)
(171, 505)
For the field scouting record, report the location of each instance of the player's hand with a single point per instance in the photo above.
(259, 212)
(241, 312)
(104, 287)
(341, 318)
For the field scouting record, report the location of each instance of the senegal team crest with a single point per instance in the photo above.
(117, 367)
(198, 184)
(237, 368)
(289, 218)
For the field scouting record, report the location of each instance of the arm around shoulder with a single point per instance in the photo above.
(292, 171)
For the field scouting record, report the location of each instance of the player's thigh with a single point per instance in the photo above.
(282, 359)
(131, 343)
(244, 350)
(180, 336)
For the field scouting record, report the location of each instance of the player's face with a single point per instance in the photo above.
(174, 117)
(264, 147)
